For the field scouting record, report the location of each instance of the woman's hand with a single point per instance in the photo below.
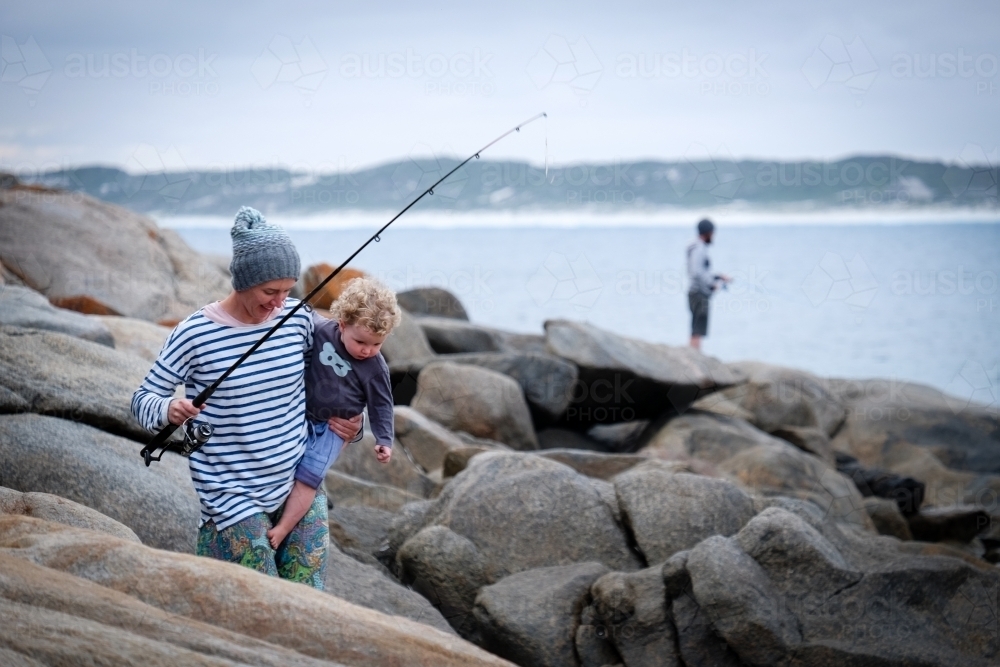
(347, 429)
(180, 410)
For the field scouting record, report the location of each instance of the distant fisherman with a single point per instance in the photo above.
(703, 281)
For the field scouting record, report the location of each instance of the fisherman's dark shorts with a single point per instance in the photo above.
(699, 313)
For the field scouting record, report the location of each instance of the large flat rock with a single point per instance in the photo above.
(290, 618)
(24, 307)
(888, 415)
(56, 374)
(67, 244)
(136, 337)
(622, 378)
(103, 472)
(50, 507)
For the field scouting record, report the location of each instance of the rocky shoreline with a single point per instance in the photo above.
(573, 498)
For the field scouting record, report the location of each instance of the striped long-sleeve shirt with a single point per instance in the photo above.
(258, 413)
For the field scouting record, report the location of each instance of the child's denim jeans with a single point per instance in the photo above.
(322, 448)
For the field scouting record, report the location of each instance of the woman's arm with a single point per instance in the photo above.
(349, 430)
(153, 404)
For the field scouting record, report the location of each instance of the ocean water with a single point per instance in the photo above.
(914, 302)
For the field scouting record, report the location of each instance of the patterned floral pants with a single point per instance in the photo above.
(301, 557)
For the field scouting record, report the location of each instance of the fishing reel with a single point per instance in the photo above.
(195, 435)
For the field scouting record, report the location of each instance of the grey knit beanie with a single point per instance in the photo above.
(261, 251)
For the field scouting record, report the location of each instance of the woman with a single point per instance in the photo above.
(245, 472)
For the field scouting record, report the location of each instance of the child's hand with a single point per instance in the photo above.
(383, 453)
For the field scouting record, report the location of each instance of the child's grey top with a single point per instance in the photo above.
(338, 385)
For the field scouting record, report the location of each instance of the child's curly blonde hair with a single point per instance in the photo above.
(367, 303)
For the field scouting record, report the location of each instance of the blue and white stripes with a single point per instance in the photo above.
(258, 413)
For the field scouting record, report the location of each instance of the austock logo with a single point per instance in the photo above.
(975, 608)
(704, 171)
(561, 279)
(974, 386)
(834, 279)
(419, 172)
(975, 173)
(834, 62)
(152, 170)
(285, 62)
(24, 65)
(560, 62)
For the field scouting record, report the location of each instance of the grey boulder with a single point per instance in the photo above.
(530, 617)
(478, 401)
(407, 343)
(425, 440)
(547, 381)
(357, 459)
(505, 513)
(448, 336)
(635, 618)
(781, 469)
(742, 603)
(523, 511)
(367, 586)
(706, 436)
(447, 569)
(360, 530)
(432, 301)
(670, 512)
(887, 417)
(773, 397)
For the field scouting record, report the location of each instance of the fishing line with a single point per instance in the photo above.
(186, 448)
(545, 123)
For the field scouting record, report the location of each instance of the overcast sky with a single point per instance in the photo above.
(324, 86)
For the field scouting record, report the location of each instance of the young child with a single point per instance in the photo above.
(346, 372)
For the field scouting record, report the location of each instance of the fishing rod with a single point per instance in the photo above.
(196, 435)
